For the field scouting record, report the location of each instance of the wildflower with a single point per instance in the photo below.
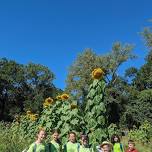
(97, 73)
(33, 117)
(47, 102)
(64, 96)
(58, 98)
(28, 112)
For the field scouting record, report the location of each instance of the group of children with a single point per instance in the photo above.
(73, 146)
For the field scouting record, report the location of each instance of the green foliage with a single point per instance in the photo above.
(125, 102)
(146, 147)
(143, 80)
(79, 76)
(61, 115)
(39, 81)
(79, 79)
(139, 109)
(11, 78)
(131, 72)
(23, 88)
(11, 140)
(147, 34)
(95, 116)
(143, 134)
(113, 129)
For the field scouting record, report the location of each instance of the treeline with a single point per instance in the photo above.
(23, 87)
(128, 98)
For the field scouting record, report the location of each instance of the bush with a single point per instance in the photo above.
(12, 141)
(143, 134)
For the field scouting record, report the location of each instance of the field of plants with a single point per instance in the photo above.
(64, 113)
(96, 99)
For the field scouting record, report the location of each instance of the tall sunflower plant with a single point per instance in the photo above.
(96, 109)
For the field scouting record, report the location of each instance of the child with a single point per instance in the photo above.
(106, 146)
(38, 145)
(55, 145)
(85, 147)
(72, 145)
(131, 146)
(117, 146)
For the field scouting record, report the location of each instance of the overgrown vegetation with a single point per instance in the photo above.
(111, 103)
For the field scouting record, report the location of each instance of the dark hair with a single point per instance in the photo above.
(72, 132)
(112, 138)
(131, 142)
(55, 131)
(85, 137)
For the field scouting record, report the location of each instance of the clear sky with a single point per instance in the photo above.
(54, 32)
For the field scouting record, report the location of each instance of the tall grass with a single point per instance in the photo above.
(10, 141)
(139, 146)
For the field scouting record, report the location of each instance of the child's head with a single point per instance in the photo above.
(115, 138)
(131, 144)
(55, 134)
(72, 137)
(106, 146)
(84, 140)
(41, 134)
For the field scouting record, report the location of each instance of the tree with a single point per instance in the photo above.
(23, 87)
(11, 78)
(138, 107)
(78, 79)
(39, 81)
(147, 35)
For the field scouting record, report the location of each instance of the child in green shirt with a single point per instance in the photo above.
(117, 145)
(85, 147)
(38, 145)
(55, 145)
(71, 145)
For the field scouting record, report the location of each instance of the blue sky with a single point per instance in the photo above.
(54, 32)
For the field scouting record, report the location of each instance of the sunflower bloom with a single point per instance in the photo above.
(28, 112)
(36, 115)
(47, 102)
(64, 96)
(97, 73)
(58, 98)
(33, 117)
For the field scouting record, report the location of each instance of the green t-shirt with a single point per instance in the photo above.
(117, 147)
(85, 149)
(37, 147)
(54, 146)
(71, 147)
